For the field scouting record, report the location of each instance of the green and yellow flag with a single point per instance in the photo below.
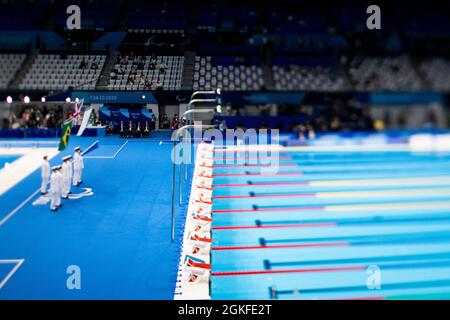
(65, 135)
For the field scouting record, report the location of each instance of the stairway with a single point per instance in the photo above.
(188, 70)
(269, 82)
(23, 70)
(103, 80)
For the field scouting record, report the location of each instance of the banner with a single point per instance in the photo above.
(85, 121)
(67, 128)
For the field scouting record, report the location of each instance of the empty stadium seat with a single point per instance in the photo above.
(9, 65)
(315, 78)
(208, 75)
(52, 72)
(437, 73)
(384, 74)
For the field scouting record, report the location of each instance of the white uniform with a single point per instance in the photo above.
(66, 178)
(70, 175)
(60, 186)
(78, 166)
(45, 175)
(54, 190)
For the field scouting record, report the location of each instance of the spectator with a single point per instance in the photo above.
(83, 65)
(163, 68)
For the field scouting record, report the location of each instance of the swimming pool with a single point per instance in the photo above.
(333, 225)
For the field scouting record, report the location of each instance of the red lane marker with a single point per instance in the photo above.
(253, 165)
(251, 158)
(275, 195)
(284, 246)
(244, 273)
(248, 151)
(231, 185)
(261, 184)
(268, 209)
(278, 226)
(295, 173)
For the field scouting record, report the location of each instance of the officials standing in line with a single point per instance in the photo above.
(55, 188)
(45, 175)
(61, 177)
(78, 166)
(67, 176)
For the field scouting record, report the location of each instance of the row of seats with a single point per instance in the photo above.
(387, 74)
(209, 76)
(9, 65)
(315, 78)
(437, 73)
(147, 72)
(55, 72)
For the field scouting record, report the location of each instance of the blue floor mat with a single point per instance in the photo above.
(119, 237)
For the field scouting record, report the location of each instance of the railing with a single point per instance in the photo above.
(179, 136)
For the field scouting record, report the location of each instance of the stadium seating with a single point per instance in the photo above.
(53, 72)
(236, 77)
(308, 77)
(436, 72)
(126, 79)
(384, 74)
(9, 65)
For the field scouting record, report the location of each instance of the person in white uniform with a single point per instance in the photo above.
(45, 175)
(54, 189)
(67, 176)
(78, 166)
(60, 185)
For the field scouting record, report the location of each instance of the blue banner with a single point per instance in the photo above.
(114, 97)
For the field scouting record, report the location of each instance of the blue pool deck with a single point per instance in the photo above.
(119, 237)
(7, 159)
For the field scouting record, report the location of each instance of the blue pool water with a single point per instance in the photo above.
(333, 225)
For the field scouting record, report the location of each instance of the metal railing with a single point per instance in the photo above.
(217, 92)
(180, 136)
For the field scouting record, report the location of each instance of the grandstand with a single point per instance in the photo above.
(147, 72)
(227, 75)
(56, 72)
(9, 65)
(277, 150)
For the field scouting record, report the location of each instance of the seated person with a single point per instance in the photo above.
(130, 80)
(110, 129)
(83, 65)
(175, 122)
(146, 132)
(138, 132)
(162, 68)
(130, 130)
(153, 124)
(122, 132)
(165, 122)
